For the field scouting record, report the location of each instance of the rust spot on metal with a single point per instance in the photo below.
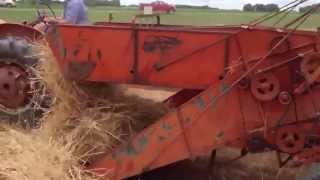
(187, 120)
(79, 70)
(161, 138)
(76, 52)
(161, 43)
(220, 134)
(65, 53)
(99, 54)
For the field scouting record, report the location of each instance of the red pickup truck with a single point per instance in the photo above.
(159, 6)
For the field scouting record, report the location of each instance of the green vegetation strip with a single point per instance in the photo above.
(181, 17)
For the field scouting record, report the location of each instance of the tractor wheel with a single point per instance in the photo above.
(22, 94)
(312, 172)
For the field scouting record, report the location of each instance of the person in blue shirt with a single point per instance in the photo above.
(75, 12)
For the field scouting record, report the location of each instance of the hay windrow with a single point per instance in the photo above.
(32, 156)
(84, 122)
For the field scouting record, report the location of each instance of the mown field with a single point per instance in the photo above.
(182, 16)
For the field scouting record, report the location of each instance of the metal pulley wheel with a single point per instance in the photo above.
(310, 67)
(285, 98)
(290, 139)
(265, 87)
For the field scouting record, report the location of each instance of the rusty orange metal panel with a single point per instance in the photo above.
(180, 58)
(89, 52)
(255, 92)
(181, 134)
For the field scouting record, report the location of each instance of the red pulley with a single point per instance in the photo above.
(265, 87)
(290, 139)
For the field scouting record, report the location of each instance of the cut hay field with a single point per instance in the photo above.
(182, 16)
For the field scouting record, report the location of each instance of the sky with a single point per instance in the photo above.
(222, 4)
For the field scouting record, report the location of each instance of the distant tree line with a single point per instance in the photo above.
(102, 2)
(261, 8)
(195, 7)
(307, 8)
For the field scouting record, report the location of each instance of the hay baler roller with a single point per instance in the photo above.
(252, 87)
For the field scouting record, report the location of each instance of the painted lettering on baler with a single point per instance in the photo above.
(162, 43)
(80, 70)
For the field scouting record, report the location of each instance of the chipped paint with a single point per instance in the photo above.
(131, 150)
(200, 103)
(220, 135)
(161, 138)
(213, 101)
(166, 126)
(224, 88)
(143, 141)
(187, 120)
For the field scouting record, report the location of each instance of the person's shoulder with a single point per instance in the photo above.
(75, 1)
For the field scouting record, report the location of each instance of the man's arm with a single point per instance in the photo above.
(71, 13)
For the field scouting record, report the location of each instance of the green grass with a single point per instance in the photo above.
(182, 17)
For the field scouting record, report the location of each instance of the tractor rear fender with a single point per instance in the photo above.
(20, 30)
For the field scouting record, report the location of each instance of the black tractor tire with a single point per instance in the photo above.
(17, 51)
